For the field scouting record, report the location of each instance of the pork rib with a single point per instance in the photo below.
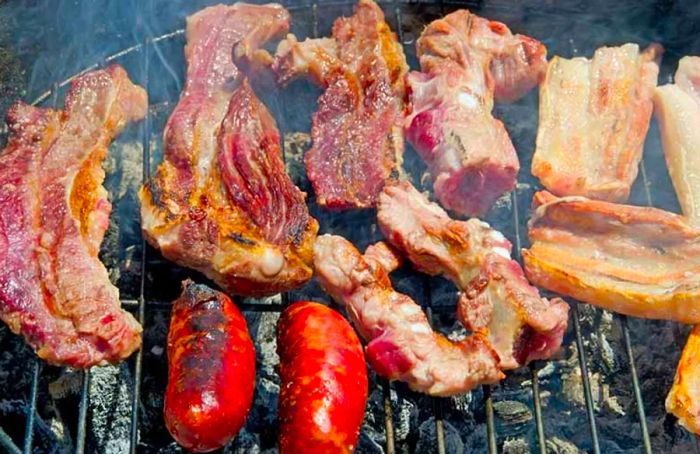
(357, 132)
(594, 116)
(466, 62)
(677, 108)
(401, 343)
(53, 215)
(496, 299)
(633, 260)
(221, 201)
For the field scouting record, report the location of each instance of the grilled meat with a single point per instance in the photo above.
(683, 399)
(53, 215)
(496, 299)
(356, 131)
(211, 369)
(466, 62)
(221, 201)
(401, 343)
(594, 116)
(633, 260)
(677, 109)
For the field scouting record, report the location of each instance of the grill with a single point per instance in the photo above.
(560, 406)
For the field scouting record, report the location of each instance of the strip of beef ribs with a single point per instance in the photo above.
(466, 62)
(638, 261)
(496, 299)
(677, 108)
(357, 130)
(53, 215)
(594, 116)
(401, 343)
(221, 201)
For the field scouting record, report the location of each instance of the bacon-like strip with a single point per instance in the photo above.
(594, 117)
(633, 260)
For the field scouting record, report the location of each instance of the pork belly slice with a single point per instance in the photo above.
(495, 300)
(401, 343)
(677, 108)
(466, 62)
(683, 401)
(637, 261)
(594, 116)
(53, 216)
(357, 132)
(221, 201)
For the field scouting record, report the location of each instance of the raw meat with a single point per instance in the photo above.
(53, 216)
(357, 130)
(401, 343)
(633, 260)
(677, 109)
(466, 62)
(594, 116)
(683, 401)
(496, 299)
(221, 202)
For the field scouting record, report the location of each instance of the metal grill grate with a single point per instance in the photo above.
(393, 10)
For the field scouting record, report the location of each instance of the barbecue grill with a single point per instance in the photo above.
(604, 394)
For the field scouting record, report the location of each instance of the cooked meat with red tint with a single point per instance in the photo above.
(496, 299)
(466, 61)
(677, 108)
(401, 343)
(357, 131)
(221, 202)
(633, 260)
(683, 401)
(53, 215)
(594, 117)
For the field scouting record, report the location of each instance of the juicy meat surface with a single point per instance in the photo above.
(683, 401)
(221, 201)
(495, 297)
(53, 215)
(466, 62)
(401, 343)
(633, 260)
(677, 108)
(357, 130)
(594, 116)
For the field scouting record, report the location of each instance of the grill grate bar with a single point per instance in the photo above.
(146, 170)
(635, 385)
(7, 443)
(585, 380)
(82, 413)
(31, 411)
(542, 441)
(388, 417)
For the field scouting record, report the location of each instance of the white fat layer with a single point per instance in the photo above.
(272, 262)
(497, 236)
(467, 100)
(503, 252)
(420, 328)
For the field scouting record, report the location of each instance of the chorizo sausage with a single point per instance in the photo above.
(324, 381)
(211, 369)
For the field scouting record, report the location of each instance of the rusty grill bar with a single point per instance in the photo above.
(146, 48)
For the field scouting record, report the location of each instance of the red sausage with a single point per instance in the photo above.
(211, 369)
(324, 381)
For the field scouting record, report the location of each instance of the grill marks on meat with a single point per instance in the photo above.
(633, 260)
(401, 343)
(221, 201)
(466, 62)
(53, 216)
(677, 108)
(594, 116)
(356, 131)
(496, 299)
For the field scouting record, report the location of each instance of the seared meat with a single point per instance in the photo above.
(633, 260)
(594, 116)
(683, 401)
(356, 131)
(496, 299)
(53, 215)
(677, 109)
(466, 62)
(401, 343)
(221, 201)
